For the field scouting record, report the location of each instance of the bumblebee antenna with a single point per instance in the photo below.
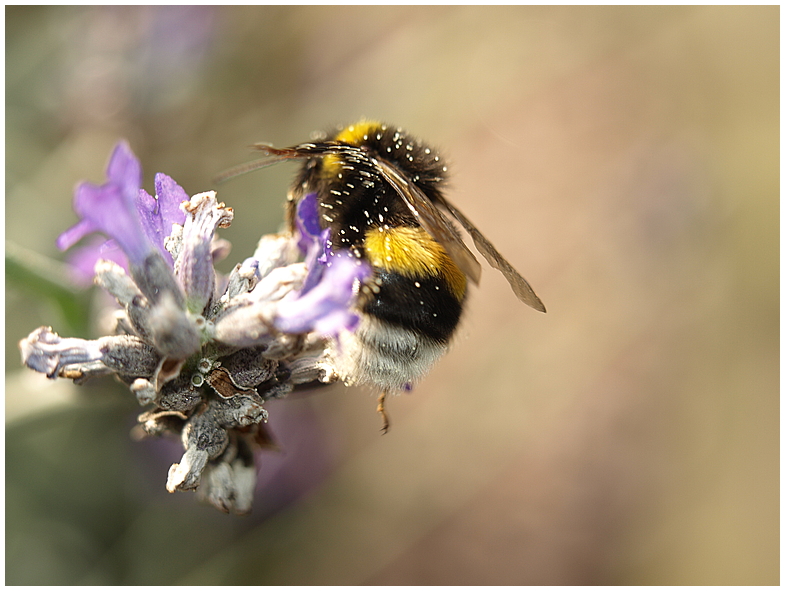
(274, 156)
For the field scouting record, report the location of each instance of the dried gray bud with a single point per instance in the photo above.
(187, 474)
(173, 333)
(194, 265)
(144, 390)
(229, 486)
(275, 251)
(154, 279)
(113, 278)
(180, 394)
(129, 356)
(249, 367)
(242, 279)
(46, 352)
(312, 369)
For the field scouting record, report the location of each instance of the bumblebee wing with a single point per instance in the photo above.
(431, 219)
(519, 285)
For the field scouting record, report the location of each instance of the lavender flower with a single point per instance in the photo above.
(204, 359)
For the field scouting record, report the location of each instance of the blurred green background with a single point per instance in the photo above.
(625, 160)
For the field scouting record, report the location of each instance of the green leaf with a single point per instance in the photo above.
(48, 280)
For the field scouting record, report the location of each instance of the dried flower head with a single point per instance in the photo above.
(203, 352)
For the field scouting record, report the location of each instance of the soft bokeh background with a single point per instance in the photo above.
(626, 160)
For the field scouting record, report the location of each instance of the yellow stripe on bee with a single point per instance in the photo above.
(354, 135)
(331, 166)
(413, 252)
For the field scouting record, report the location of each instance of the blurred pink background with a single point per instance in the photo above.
(625, 160)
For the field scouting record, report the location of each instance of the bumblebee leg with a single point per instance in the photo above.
(380, 409)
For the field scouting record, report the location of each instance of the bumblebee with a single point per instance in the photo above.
(380, 192)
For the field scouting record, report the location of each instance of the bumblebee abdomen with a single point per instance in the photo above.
(417, 286)
(425, 305)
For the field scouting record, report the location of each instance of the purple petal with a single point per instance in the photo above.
(82, 260)
(316, 259)
(308, 215)
(74, 234)
(170, 196)
(111, 208)
(113, 213)
(124, 170)
(158, 214)
(326, 307)
(147, 207)
(331, 275)
(307, 221)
